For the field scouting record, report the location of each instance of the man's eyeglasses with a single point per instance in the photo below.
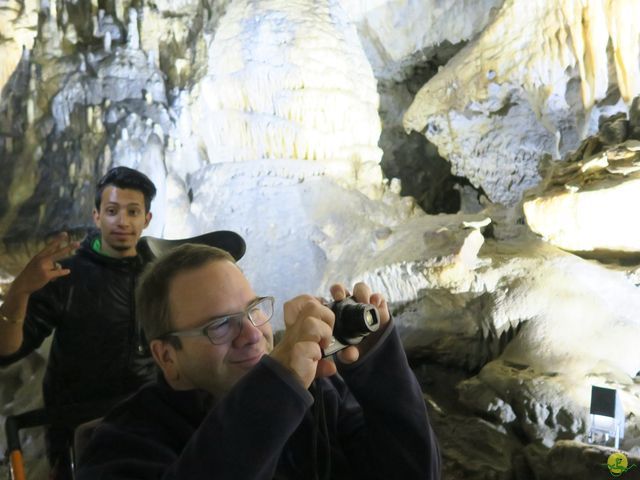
(226, 328)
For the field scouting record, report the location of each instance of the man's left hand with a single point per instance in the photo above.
(362, 294)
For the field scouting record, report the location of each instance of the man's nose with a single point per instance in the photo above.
(249, 333)
(123, 218)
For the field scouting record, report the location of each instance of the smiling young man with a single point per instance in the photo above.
(232, 406)
(98, 351)
(121, 214)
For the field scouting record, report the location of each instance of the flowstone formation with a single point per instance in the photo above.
(584, 203)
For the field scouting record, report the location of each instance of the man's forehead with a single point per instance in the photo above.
(122, 196)
(215, 288)
(128, 204)
(219, 275)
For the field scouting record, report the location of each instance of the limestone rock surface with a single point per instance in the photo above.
(263, 117)
(586, 205)
(533, 82)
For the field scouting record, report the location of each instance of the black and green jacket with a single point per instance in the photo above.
(98, 351)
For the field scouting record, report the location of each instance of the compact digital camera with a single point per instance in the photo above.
(354, 321)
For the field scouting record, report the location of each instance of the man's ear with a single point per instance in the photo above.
(147, 219)
(96, 217)
(165, 356)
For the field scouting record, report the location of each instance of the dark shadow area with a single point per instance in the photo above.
(411, 158)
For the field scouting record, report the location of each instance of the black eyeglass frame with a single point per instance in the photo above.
(237, 318)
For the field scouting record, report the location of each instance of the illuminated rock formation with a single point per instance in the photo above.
(532, 83)
(264, 117)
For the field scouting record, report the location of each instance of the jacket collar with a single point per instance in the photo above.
(87, 249)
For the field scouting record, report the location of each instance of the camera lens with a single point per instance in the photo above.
(368, 318)
(354, 321)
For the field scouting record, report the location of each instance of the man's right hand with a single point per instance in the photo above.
(44, 266)
(40, 270)
(309, 327)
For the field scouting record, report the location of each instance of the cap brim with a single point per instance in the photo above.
(223, 239)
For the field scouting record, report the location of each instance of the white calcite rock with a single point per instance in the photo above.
(289, 81)
(547, 405)
(293, 233)
(554, 323)
(598, 219)
(529, 84)
(587, 206)
(181, 224)
(580, 317)
(395, 33)
(556, 312)
(574, 315)
(123, 75)
(271, 128)
(542, 404)
(18, 22)
(297, 241)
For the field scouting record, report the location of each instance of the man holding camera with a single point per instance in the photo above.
(230, 405)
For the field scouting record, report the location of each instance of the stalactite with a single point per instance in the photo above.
(133, 39)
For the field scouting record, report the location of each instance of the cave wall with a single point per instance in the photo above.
(322, 131)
